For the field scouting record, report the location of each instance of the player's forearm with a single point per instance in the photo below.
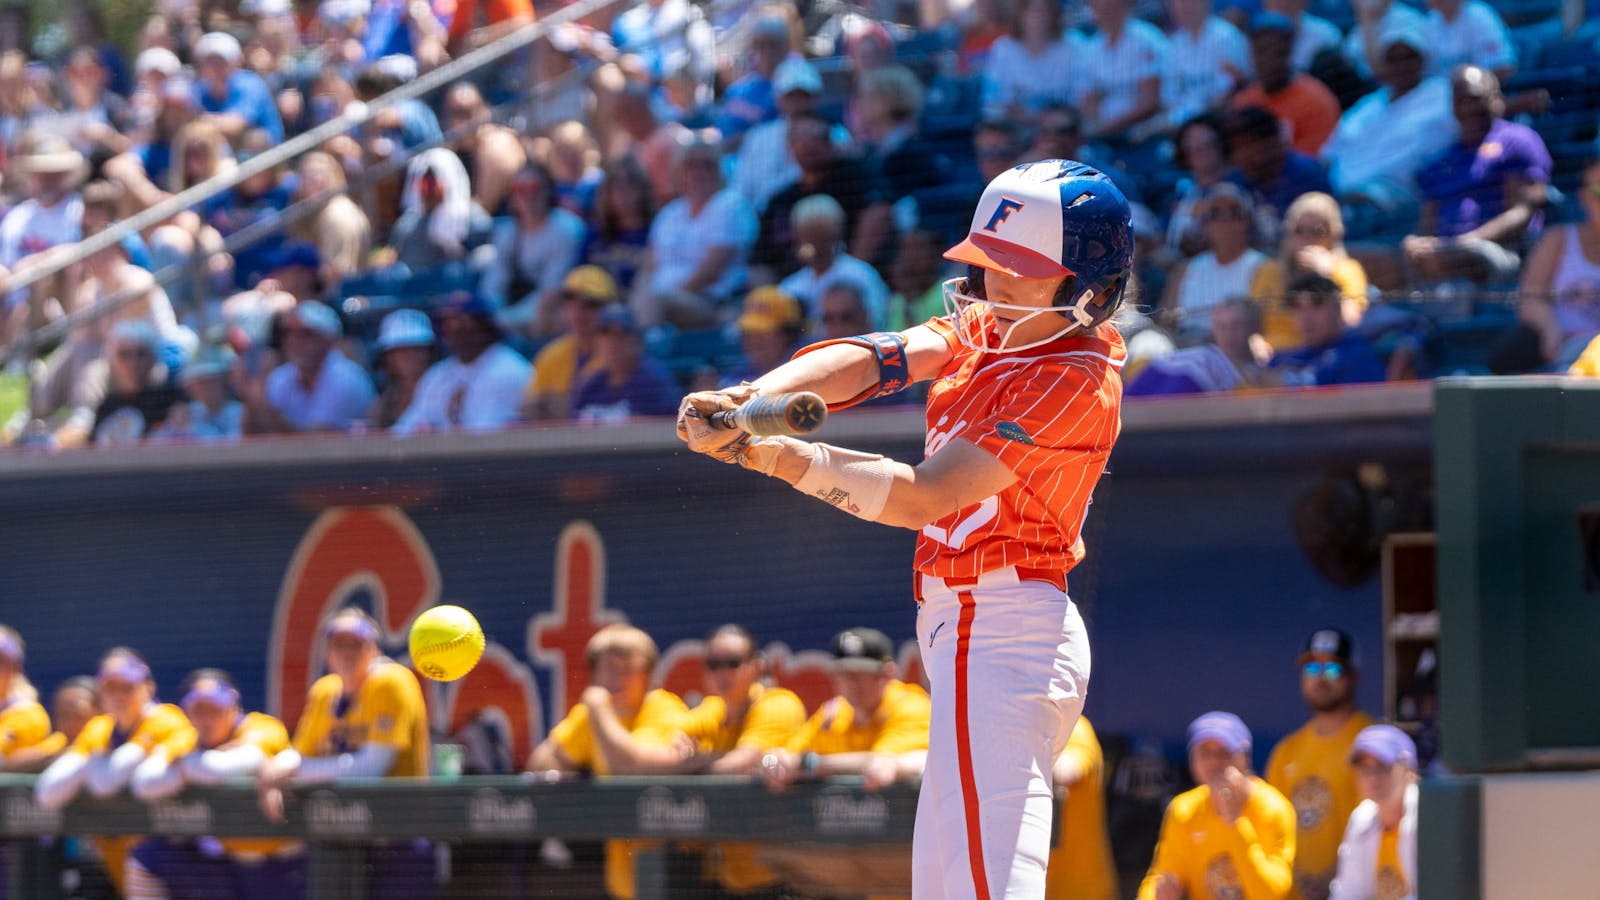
(837, 373)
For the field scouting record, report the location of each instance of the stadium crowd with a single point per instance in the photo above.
(664, 196)
(1332, 815)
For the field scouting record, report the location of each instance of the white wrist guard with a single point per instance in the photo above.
(855, 482)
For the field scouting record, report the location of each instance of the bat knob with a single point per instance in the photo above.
(807, 413)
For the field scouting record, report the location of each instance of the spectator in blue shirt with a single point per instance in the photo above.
(628, 384)
(236, 99)
(1332, 353)
(749, 100)
(1273, 173)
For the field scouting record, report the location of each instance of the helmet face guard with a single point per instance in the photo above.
(969, 308)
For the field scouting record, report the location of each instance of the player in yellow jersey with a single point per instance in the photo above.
(619, 726)
(1231, 838)
(124, 746)
(232, 744)
(1378, 856)
(73, 704)
(23, 721)
(1081, 867)
(740, 717)
(364, 719)
(1311, 766)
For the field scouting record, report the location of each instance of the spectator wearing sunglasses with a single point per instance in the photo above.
(1333, 353)
(1311, 766)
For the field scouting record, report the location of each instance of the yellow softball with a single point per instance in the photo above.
(446, 642)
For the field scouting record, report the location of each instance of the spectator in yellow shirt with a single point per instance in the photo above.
(1378, 856)
(570, 359)
(23, 721)
(619, 726)
(124, 746)
(1081, 867)
(1588, 362)
(232, 744)
(74, 703)
(1311, 766)
(1230, 838)
(364, 719)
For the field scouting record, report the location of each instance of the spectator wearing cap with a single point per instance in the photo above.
(1308, 110)
(139, 388)
(338, 228)
(52, 215)
(1459, 32)
(1122, 64)
(570, 358)
(1037, 42)
(404, 352)
(230, 744)
(23, 720)
(764, 164)
(534, 249)
(236, 99)
(1312, 34)
(876, 727)
(770, 326)
(1482, 196)
(1081, 866)
(163, 103)
(1225, 269)
(1380, 142)
(476, 387)
(699, 246)
(317, 388)
(1232, 836)
(1273, 173)
(121, 748)
(364, 719)
(440, 222)
(1311, 766)
(1374, 18)
(818, 225)
(752, 98)
(1333, 353)
(1378, 856)
(651, 142)
(209, 413)
(627, 383)
(1208, 59)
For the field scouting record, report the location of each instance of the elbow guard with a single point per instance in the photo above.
(894, 370)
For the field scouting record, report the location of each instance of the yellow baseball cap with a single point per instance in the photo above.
(769, 309)
(592, 283)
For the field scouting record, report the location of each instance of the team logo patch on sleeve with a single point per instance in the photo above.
(1011, 431)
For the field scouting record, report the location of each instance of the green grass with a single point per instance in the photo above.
(13, 395)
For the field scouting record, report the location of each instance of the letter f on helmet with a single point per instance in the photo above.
(1002, 212)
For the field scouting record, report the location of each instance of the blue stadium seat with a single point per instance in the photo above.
(1517, 13)
(687, 353)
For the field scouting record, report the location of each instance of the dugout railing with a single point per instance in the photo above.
(338, 821)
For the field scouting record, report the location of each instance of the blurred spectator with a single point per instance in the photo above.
(260, 198)
(573, 159)
(653, 145)
(20, 102)
(1382, 141)
(1467, 31)
(118, 747)
(1060, 136)
(296, 269)
(475, 23)
(1312, 34)
(441, 223)
(1202, 152)
(1224, 363)
(402, 354)
(625, 209)
(337, 226)
(1313, 244)
(1375, 18)
(209, 414)
(824, 169)
(492, 153)
(619, 726)
(478, 386)
(1080, 864)
(50, 217)
(230, 744)
(364, 719)
(818, 223)
(1273, 173)
(742, 715)
(917, 277)
(626, 383)
(1483, 195)
(751, 99)
(1122, 64)
(997, 145)
(171, 107)
(1311, 765)
(1230, 836)
(73, 704)
(1208, 59)
(981, 24)
(842, 312)
(570, 358)
(769, 329)
(534, 249)
(666, 36)
(1378, 855)
(317, 388)
(699, 246)
(1587, 365)
(139, 388)
(1012, 88)
(408, 28)
(93, 118)
(1308, 110)
(1224, 270)
(234, 99)
(24, 722)
(1332, 352)
(765, 165)
(1559, 311)
(407, 125)
(888, 107)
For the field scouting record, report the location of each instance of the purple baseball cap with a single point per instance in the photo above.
(1386, 744)
(210, 691)
(10, 647)
(355, 625)
(127, 669)
(1225, 728)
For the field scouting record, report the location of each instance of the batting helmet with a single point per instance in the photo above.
(1049, 219)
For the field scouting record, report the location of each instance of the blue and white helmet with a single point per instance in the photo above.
(1048, 219)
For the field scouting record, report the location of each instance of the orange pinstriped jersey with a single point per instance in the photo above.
(1051, 414)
